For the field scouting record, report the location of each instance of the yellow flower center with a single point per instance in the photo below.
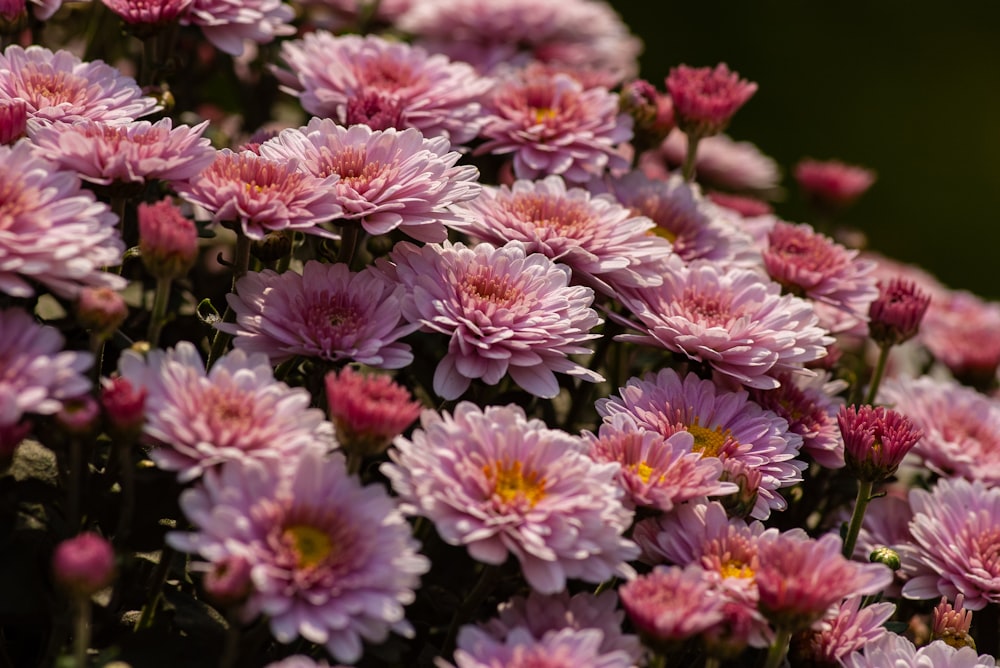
(311, 546)
(543, 114)
(511, 482)
(643, 470)
(736, 569)
(709, 442)
(661, 231)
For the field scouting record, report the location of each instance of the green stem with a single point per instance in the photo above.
(350, 235)
(81, 631)
(860, 505)
(883, 358)
(691, 158)
(156, 589)
(354, 461)
(779, 648)
(466, 611)
(158, 318)
(658, 660)
(712, 662)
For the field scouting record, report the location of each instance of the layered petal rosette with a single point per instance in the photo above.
(329, 559)
(227, 24)
(504, 310)
(896, 650)
(501, 484)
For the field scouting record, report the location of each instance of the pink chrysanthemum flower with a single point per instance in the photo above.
(126, 153)
(593, 235)
(956, 537)
(152, 15)
(848, 628)
(832, 184)
(875, 440)
(504, 310)
(808, 264)
(696, 228)
(735, 321)
(432, 94)
(388, 179)
(724, 424)
(895, 650)
(669, 605)
(799, 578)
(368, 410)
(656, 471)
(236, 411)
(330, 560)
(51, 231)
(263, 195)
(721, 162)
(551, 124)
(567, 648)
(60, 87)
(705, 98)
(894, 317)
(227, 24)
(13, 120)
(36, 374)
(960, 331)
(500, 484)
(327, 312)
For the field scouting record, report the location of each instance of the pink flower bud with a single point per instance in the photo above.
(124, 406)
(832, 184)
(84, 565)
(895, 316)
(168, 241)
(368, 411)
(875, 440)
(101, 310)
(705, 99)
(228, 583)
(79, 416)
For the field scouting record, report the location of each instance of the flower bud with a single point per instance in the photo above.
(84, 565)
(368, 411)
(228, 583)
(886, 556)
(895, 316)
(79, 416)
(101, 310)
(168, 242)
(875, 440)
(124, 407)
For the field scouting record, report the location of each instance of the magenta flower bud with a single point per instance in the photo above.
(79, 416)
(124, 406)
(832, 184)
(101, 310)
(368, 410)
(84, 565)
(875, 440)
(705, 99)
(652, 111)
(895, 316)
(168, 241)
(228, 582)
(13, 120)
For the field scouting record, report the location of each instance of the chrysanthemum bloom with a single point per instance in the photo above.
(875, 440)
(799, 578)
(236, 411)
(331, 560)
(79, 416)
(328, 312)
(551, 124)
(956, 536)
(721, 162)
(894, 317)
(594, 235)
(847, 629)
(808, 264)
(388, 179)
(735, 321)
(952, 623)
(60, 87)
(263, 195)
(434, 95)
(540, 614)
(11, 437)
(228, 23)
(656, 471)
(669, 605)
(84, 564)
(580, 34)
(724, 424)
(13, 120)
(961, 426)
(960, 329)
(896, 650)
(504, 310)
(148, 15)
(705, 99)
(500, 484)
(368, 410)
(831, 184)
(126, 153)
(54, 233)
(520, 649)
(696, 228)
(36, 374)
(168, 240)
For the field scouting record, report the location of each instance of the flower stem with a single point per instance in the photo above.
(156, 589)
(81, 631)
(158, 318)
(860, 505)
(690, 159)
(487, 581)
(778, 648)
(241, 264)
(350, 235)
(883, 358)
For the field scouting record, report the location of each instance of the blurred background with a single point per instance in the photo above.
(907, 89)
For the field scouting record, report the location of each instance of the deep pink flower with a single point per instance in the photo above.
(721, 162)
(388, 179)
(567, 648)
(331, 560)
(84, 564)
(501, 484)
(60, 87)
(124, 406)
(151, 13)
(724, 424)
(875, 440)
(236, 411)
(894, 317)
(434, 95)
(848, 628)
(895, 650)
(504, 311)
(551, 124)
(263, 195)
(672, 604)
(705, 99)
(13, 120)
(228, 23)
(832, 184)
(168, 240)
(36, 374)
(368, 410)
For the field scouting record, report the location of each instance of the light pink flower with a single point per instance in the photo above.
(60, 87)
(228, 23)
(51, 231)
(368, 410)
(168, 240)
(567, 648)
(722, 162)
(551, 124)
(434, 95)
(501, 484)
(327, 312)
(388, 179)
(197, 420)
(331, 560)
(848, 628)
(895, 650)
(504, 311)
(671, 604)
(832, 184)
(705, 98)
(960, 331)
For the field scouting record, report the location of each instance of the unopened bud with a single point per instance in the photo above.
(168, 241)
(101, 310)
(886, 556)
(84, 565)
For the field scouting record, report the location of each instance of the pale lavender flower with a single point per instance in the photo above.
(327, 312)
(505, 311)
(847, 628)
(735, 321)
(427, 92)
(722, 162)
(388, 178)
(36, 375)
(893, 650)
(331, 560)
(53, 232)
(227, 24)
(724, 424)
(501, 484)
(60, 87)
(567, 648)
(197, 420)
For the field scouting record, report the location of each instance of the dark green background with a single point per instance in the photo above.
(909, 89)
